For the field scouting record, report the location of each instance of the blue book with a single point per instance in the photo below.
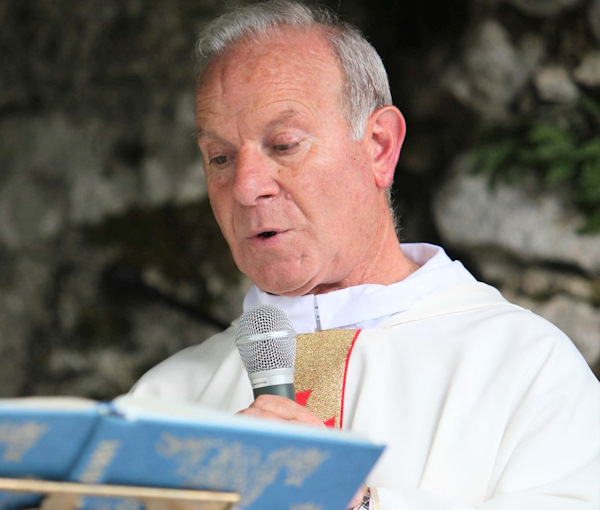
(151, 443)
(42, 438)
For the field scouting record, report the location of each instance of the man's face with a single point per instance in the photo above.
(293, 194)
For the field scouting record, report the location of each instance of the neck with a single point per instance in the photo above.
(382, 263)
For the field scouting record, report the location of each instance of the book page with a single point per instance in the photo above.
(148, 408)
(60, 403)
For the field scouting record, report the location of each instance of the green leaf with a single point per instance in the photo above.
(564, 152)
(560, 172)
(592, 225)
(495, 157)
(590, 107)
(550, 135)
(589, 150)
(589, 183)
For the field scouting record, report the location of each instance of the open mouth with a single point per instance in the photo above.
(266, 235)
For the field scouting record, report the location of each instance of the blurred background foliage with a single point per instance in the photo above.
(561, 149)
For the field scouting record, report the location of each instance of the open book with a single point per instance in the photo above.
(152, 443)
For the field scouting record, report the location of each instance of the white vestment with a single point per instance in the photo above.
(480, 403)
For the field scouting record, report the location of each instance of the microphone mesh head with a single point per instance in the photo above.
(266, 353)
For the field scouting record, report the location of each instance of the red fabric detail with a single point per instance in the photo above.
(344, 382)
(302, 397)
(330, 422)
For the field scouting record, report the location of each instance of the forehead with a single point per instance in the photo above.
(287, 65)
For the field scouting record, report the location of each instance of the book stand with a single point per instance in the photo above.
(64, 495)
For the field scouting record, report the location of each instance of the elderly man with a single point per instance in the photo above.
(481, 404)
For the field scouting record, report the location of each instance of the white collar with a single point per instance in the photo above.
(368, 305)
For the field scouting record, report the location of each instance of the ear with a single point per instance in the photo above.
(385, 133)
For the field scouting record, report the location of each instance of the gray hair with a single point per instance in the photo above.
(365, 88)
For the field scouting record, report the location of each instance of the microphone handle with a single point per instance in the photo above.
(281, 390)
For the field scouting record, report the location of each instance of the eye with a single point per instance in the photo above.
(282, 147)
(218, 160)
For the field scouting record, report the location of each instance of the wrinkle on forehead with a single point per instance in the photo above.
(280, 119)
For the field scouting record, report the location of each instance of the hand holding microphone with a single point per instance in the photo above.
(267, 345)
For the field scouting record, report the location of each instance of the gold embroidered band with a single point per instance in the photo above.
(321, 360)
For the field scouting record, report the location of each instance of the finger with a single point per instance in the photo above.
(280, 408)
(254, 412)
(285, 408)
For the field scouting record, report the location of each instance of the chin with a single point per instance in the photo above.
(282, 290)
(283, 287)
(282, 279)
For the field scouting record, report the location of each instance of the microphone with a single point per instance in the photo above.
(267, 345)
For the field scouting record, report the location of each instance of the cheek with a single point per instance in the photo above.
(221, 207)
(218, 182)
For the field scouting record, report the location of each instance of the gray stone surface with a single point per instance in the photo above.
(544, 7)
(587, 73)
(25, 286)
(494, 69)
(531, 225)
(555, 85)
(113, 369)
(594, 17)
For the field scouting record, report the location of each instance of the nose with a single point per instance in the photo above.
(254, 178)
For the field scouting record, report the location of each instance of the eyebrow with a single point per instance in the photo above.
(282, 118)
(204, 134)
